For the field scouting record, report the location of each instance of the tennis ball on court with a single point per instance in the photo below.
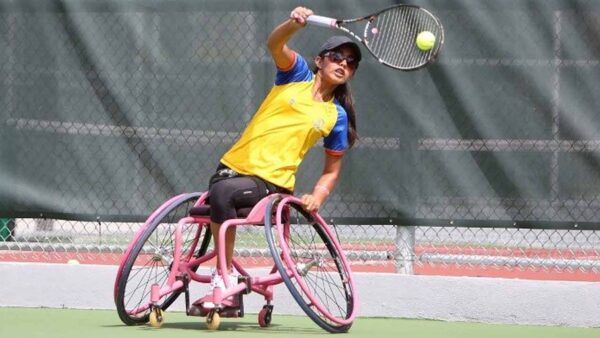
(425, 40)
(72, 261)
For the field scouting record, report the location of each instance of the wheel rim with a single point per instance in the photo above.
(152, 258)
(319, 281)
(318, 269)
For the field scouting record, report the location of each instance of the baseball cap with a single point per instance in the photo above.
(339, 40)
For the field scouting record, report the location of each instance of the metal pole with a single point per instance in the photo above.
(405, 249)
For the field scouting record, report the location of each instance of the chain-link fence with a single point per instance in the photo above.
(489, 156)
(447, 250)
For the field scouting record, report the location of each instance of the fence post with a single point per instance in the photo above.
(404, 254)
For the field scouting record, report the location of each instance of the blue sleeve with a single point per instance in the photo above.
(337, 140)
(298, 72)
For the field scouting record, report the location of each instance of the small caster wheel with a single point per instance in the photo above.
(156, 317)
(264, 316)
(213, 320)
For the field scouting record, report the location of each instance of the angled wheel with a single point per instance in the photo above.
(157, 318)
(265, 315)
(311, 263)
(149, 259)
(213, 320)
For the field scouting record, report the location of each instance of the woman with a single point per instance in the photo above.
(302, 107)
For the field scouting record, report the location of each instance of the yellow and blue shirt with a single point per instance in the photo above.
(287, 124)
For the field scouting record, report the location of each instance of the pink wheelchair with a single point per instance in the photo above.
(165, 254)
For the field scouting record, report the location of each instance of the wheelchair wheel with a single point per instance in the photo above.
(311, 263)
(150, 258)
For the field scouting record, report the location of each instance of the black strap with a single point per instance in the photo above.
(223, 172)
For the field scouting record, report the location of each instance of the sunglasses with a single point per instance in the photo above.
(338, 57)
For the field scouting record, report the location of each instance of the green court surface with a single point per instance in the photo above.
(66, 323)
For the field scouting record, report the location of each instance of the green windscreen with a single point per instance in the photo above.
(108, 108)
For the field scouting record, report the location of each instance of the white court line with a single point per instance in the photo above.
(509, 145)
(96, 129)
(190, 136)
(519, 62)
(387, 143)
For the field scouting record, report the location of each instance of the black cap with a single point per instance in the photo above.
(339, 40)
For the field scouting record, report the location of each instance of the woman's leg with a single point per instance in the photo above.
(229, 243)
(226, 196)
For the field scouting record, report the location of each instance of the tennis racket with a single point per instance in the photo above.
(390, 35)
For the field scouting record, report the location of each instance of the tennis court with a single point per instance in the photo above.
(469, 206)
(66, 323)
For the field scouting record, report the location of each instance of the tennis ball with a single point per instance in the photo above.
(73, 261)
(425, 40)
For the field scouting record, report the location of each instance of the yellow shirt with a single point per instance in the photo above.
(287, 124)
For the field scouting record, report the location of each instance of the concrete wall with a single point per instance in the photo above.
(391, 295)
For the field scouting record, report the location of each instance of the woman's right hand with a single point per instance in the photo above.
(299, 15)
(283, 56)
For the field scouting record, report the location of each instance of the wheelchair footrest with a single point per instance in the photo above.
(232, 307)
(226, 312)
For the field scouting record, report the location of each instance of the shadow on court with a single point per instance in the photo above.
(68, 323)
(240, 327)
(226, 326)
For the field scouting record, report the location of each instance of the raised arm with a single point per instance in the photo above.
(284, 56)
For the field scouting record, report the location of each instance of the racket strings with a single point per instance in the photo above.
(393, 33)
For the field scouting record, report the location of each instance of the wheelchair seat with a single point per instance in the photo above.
(204, 210)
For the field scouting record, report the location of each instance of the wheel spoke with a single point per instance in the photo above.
(151, 259)
(319, 280)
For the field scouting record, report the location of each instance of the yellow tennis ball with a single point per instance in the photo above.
(72, 261)
(425, 40)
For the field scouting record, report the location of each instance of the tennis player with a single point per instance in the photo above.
(303, 106)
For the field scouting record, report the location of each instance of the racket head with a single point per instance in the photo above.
(390, 35)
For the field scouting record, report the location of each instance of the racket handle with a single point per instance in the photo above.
(322, 21)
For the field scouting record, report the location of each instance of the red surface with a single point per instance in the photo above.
(378, 266)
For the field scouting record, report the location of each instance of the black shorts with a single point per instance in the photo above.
(229, 191)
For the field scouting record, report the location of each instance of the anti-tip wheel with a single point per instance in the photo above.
(213, 320)
(156, 317)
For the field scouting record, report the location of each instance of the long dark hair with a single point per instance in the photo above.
(344, 95)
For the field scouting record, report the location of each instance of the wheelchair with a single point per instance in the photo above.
(164, 257)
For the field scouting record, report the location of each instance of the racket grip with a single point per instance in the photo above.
(322, 21)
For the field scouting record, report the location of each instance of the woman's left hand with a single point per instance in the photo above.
(310, 203)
